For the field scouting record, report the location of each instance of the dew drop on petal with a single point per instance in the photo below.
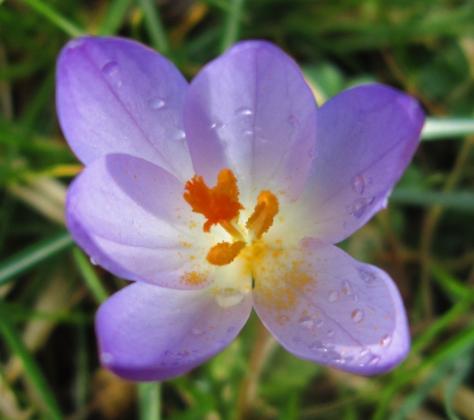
(333, 296)
(346, 289)
(248, 133)
(244, 111)
(306, 322)
(367, 275)
(75, 43)
(358, 184)
(374, 360)
(112, 71)
(93, 262)
(318, 346)
(217, 125)
(293, 120)
(157, 103)
(357, 315)
(386, 340)
(228, 297)
(197, 331)
(106, 358)
(360, 206)
(180, 135)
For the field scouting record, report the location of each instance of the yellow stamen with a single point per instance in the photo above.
(224, 252)
(262, 217)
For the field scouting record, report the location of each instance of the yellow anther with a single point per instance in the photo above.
(224, 252)
(262, 217)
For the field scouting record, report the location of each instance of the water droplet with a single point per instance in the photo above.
(357, 315)
(157, 103)
(374, 359)
(75, 43)
(93, 262)
(318, 346)
(111, 70)
(244, 111)
(333, 296)
(197, 331)
(282, 319)
(306, 322)
(248, 133)
(216, 125)
(367, 275)
(330, 333)
(386, 340)
(360, 206)
(319, 323)
(106, 358)
(228, 297)
(180, 135)
(346, 289)
(358, 184)
(293, 120)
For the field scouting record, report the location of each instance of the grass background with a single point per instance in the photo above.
(49, 291)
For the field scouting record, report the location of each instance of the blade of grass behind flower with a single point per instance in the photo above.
(89, 276)
(231, 30)
(459, 344)
(32, 255)
(461, 369)
(55, 18)
(32, 371)
(114, 17)
(154, 26)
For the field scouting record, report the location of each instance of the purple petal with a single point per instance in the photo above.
(117, 96)
(150, 333)
(366, 137)
(129, 215)
(251, 110)
(341, 313)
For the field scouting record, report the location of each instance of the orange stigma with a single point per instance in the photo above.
(219, 204)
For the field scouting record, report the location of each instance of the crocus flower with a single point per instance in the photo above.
(227, 194)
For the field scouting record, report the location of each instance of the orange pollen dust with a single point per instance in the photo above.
(220, 205)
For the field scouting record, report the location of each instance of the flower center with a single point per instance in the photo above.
(220, 206)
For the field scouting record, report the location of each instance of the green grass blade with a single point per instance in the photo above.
(442, 128)
(149, 400)
(114, 18)
(31, 368)
(461, 370)
(32, 255)
(55, 18)
(154, 26)
(89, 276)
(231, 30)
